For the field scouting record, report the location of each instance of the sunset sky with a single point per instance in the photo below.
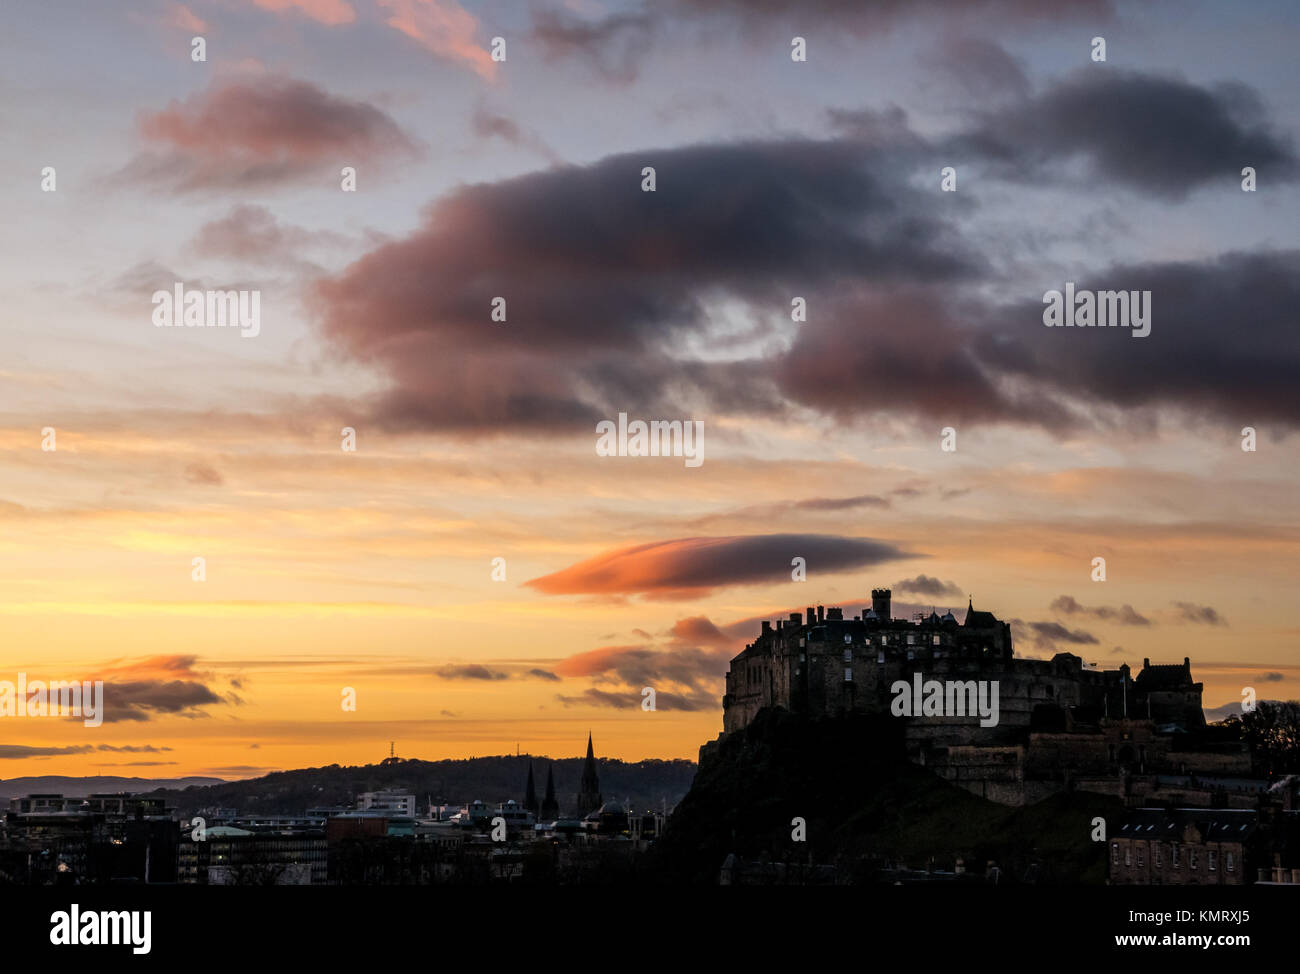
(475, 439)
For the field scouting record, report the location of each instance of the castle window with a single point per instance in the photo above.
(1157, 857)
(880, 657)
(1173, 856)
(848, 676)
(1227, 861)
(1141, 857)
(884, 640)
(1128, 856)
(934, 640)
(1213, 860)
(911, 639)
(848, 656)
(1191, 858)
(1114, 853)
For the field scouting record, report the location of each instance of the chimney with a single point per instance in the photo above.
(835, 615)
(812, 616)
(779, 624)
(821, 613)
(880, 603)
(767, 626)
(1146, 662)
(795, 618)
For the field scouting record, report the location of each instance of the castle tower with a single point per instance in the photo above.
(550, 807)
(530, 792)
(880, 598)
(589, 796)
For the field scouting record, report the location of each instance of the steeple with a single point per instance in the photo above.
(589, 795)
(530, 792)
(550, 807)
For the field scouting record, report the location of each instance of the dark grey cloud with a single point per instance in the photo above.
(603, 281)
(978, 68)
(694, 566)
(1125, 615)
(632, 700)
(1157, 135)
(15, 751)
(10, 752)
(608, 287)
(1205, 615)
(612, 46)
(925, 585)
(1046, 635)
(141, 700)
(471, 671)
(488, 124)
(1223, 343)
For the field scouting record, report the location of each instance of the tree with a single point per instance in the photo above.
(1272, 730)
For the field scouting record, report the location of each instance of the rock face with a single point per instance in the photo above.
(864, 807)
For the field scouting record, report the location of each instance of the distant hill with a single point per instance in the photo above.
(645, 784)
(57, 784)
(849, 779)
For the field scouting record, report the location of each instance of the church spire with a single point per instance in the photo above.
(550, 807)
(530, 792)
(589, 796)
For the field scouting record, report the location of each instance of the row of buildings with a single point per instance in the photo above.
(382, 838)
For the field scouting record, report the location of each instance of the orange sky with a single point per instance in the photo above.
(475, 440)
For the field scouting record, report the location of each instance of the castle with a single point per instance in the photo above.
(1062, 723)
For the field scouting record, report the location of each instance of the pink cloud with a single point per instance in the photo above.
(443, 27)
(262, 130)
(330, 12)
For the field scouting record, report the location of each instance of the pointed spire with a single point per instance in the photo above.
(589, 796)
(550, 807)
(530, 792)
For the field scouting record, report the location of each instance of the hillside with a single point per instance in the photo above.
(79, 787)
(645, 784)
(864, 804)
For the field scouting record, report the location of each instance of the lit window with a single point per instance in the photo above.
(934, 640)
(848, 676)
(1114, 853)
